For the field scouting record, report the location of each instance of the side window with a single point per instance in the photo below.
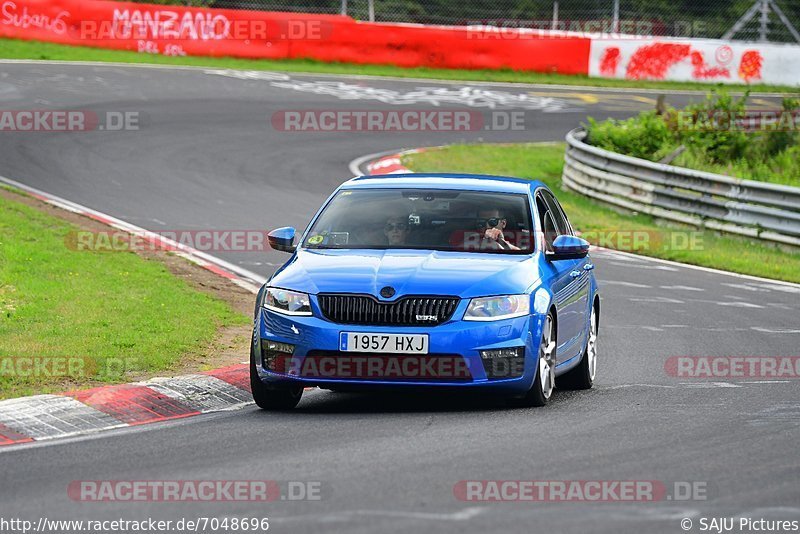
(548, 224)
(570, 229)
(560, 218)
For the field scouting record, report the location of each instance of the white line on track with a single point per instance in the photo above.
(465, 514)
(701, 92)
(775, 330)
(746, 287)
(683, 288)
(625, 284)
(740, 304)
(644, 266)
(710, 270)
(658, 300)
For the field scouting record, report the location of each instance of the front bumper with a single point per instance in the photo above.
(455, 338)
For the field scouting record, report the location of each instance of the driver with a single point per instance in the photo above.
(396, 230)
(492, 222)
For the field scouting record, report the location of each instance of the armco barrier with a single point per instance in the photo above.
(702, 199)
(175, 30)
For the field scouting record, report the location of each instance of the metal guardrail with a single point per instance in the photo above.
(702, 199)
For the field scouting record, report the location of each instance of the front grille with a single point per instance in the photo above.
(367, 310)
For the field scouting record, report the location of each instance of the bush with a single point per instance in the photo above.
(720, 145)
(646, 136)
(715, 136)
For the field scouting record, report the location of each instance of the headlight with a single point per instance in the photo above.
(286, 302)
(496, 308)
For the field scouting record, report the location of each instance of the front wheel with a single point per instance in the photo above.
(545, 380)
(582, 377)
(268, 398)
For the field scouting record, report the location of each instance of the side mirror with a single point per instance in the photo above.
(569, 247)
(282, 239)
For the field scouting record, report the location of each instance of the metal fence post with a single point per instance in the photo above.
(555, 16)
(763, 29)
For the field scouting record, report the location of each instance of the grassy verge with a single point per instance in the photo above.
(17, 49)
(606, 226)
(72, 318)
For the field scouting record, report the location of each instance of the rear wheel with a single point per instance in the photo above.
(545, 380)
(582, 377)
(272, 398)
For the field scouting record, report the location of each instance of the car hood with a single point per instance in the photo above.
(409, 272)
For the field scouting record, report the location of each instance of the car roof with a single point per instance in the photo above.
(473, 182)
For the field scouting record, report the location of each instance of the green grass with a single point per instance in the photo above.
(672, 242)
(109, 316)
(17, 49)
(782, 168)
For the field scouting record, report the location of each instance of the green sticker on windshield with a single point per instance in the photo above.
(315, 240)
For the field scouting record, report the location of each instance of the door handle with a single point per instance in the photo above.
(574, 274)
(588, 267)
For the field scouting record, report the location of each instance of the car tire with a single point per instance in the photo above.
(269, 398)
(544, 380)
(582, 376)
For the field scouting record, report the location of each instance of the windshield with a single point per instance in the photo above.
(448, 220)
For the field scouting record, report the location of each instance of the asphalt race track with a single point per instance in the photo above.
(206, 156)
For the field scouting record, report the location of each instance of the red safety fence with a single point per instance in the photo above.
(175, 30)
(695, 60)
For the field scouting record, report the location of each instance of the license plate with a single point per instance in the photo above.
(383, 343)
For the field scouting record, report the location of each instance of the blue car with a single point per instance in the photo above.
(429, 280)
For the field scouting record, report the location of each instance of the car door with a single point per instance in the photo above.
(561, 283)
(576, 295)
